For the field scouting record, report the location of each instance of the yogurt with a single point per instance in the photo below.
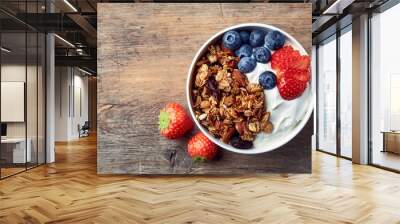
(285, 114)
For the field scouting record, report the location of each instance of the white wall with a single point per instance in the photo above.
(13, 72)
(16, 73)
(62, 81)
(69, 84)
(13, 101)
(80, 109)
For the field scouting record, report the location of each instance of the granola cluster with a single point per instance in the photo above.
(224, 100)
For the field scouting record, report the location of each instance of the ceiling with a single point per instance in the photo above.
(76, 21)
(331, 15)
(20, 54)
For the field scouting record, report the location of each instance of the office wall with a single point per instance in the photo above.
(16, 72)
(62, 81)
(80, 103)
(9, 73)
(71, 102)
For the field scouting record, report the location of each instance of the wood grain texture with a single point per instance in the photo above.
(70, 191)
(144, 53)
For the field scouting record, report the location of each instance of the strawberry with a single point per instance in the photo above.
(301, 63)
(290, 87)
(287, 57)
(293, 72)
(200, 148)
(174, 121)
(282, 58)
(301, 75)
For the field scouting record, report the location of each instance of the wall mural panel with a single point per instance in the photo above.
(144, 54)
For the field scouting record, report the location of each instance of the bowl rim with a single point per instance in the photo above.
(189, 81)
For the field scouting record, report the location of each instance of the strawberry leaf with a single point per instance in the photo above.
(163, 120)
(199, 159)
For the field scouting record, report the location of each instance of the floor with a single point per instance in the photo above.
(10, 171)
(69, 191)
(5, 172)
(387, 159)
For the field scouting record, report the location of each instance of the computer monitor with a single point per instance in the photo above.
(3, 129)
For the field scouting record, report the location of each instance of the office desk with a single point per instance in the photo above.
(16, 148)
(391, 141)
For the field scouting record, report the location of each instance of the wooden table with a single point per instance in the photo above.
(144, 53)
(391, 141)
(14, 150)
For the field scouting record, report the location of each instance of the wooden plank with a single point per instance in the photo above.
(145, 51)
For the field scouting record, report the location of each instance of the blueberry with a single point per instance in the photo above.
(274, 40)
(256, 38)
(213, 87)
(237, 142)
(244, 51)
(247, 64)
(267, 80)
(262, 54)
(245, 37)
(231, 40)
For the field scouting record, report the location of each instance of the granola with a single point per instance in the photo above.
(224, 101)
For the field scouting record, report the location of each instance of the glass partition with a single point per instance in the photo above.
(22, 78)
(385, 89)
(346, 93)
(31, 97)
(13, 94)
(41, 97)
(327, 96)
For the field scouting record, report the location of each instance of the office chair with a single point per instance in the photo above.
(84, 130)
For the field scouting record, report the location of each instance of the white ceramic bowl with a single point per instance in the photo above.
(271, 145)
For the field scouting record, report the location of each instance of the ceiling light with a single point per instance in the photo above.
(70, 5)
(79, 51)
(5, 50)
(65, 41)
(84, 71)
(338, 6)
